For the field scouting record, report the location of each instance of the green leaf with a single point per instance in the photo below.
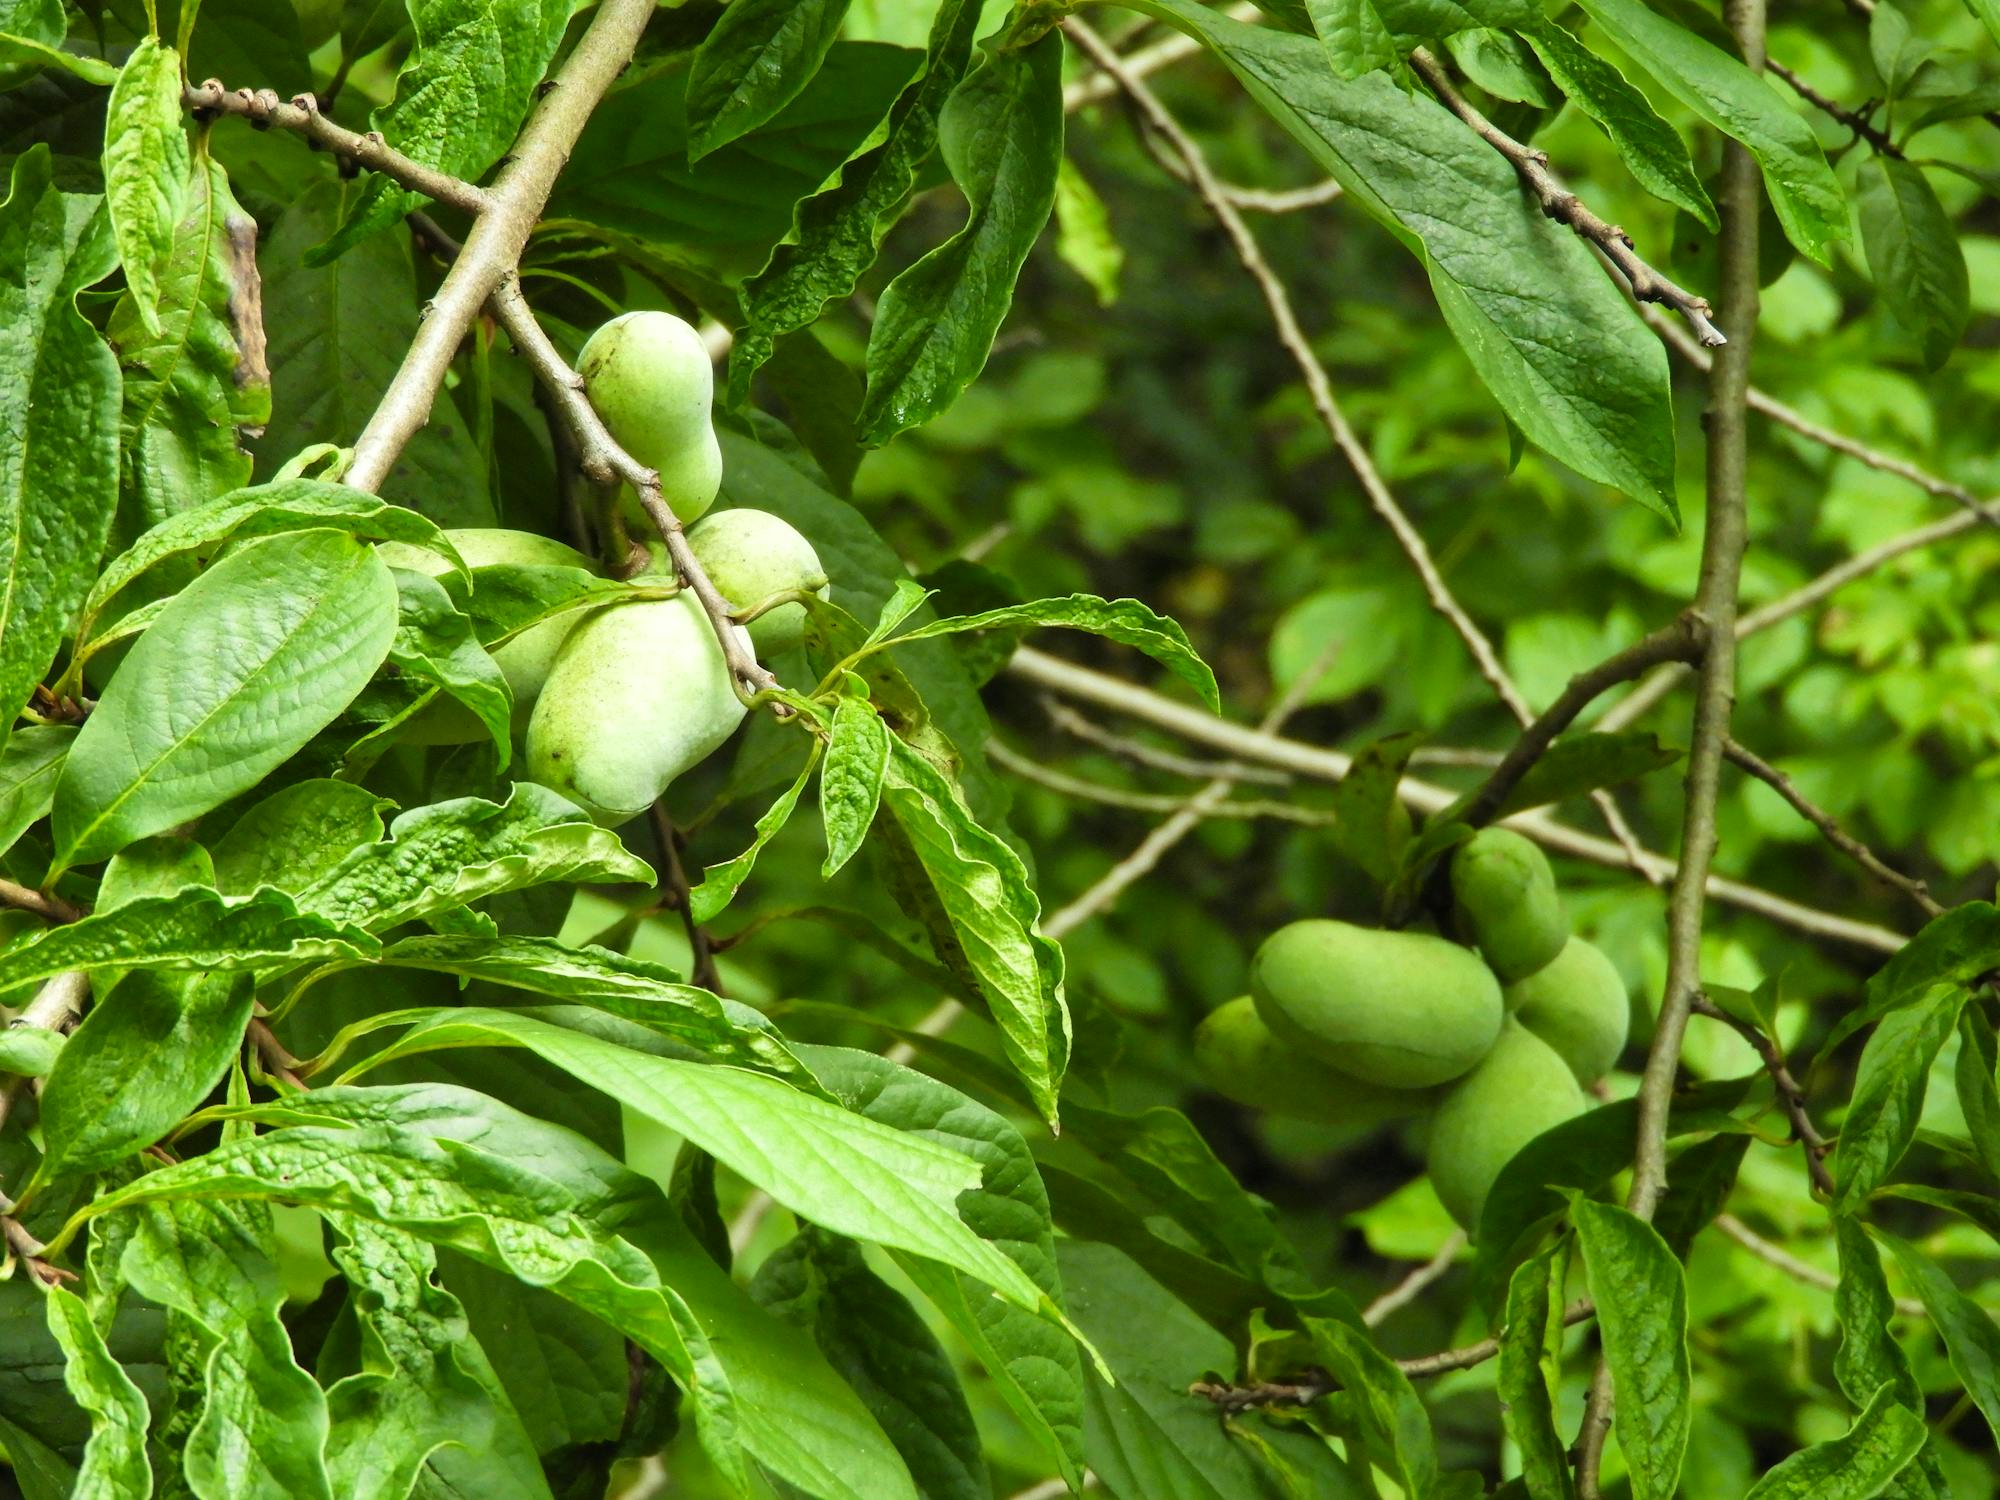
(506, 599)
(882, 1348)
(837, 233)
(628, 987)
(844, 1172)
(1978, 1096)
(25, 54)
(437, 644)
(1372, 828)
(1355, 36)
(1971, 1338)
(30, 762)
(1913, 255)
(1033, 1363)
(246, 665)
(460, 98)
(720, 883)
(451, 853)
(147, 1054)
(59, 392)
(1641, 1296)
(1738, 103)
(295, 836)
(114, 1462)
(1889, 1088)
(1698, 1188)
(850, 786)
(1002, 134)
(146, 168)
(191, 929)
(988, 917)
(424, 1382)
(1531, 1373)
(1858, 1465)
(1126, 621)
(197, 383)
(1583, 763)
(1988, 12)
(1955, 948)
(1651, 149)
(29, 1051)
(263, 1421)
(1501, 63)
(759, 58)
(1085, 240)
(39, 1470)
(1386, 1407)
(1869, 1358)
(1552, 337)
(194, 537)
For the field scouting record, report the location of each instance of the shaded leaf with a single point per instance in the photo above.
(1971, 1338)
(295, 836)
(30, 762)
(1531, 1373)
(1913, 255)
(1641, 1297)
(1858, 1465)
(720, 883)
(1889, 1088)
(755, 61)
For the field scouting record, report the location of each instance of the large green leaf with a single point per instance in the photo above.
(984, 918)
(245, 666)
(1914, 255)
(1858, 1465)
(147, 1054)
(460, 97)
(758, 59)
(1971, 1337)
(1362, 35)
(146, 168)
(114, 1461)
(1553, 339)
(1641, 1295)
(295, 836)
(1387, 1409)
(1002, 137)
(1737, 102)
(197, 383)
(450, 853)
(1889, 1089)
(59, 392)
(837, 233)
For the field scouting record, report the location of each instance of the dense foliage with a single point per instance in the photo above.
(396, 1104)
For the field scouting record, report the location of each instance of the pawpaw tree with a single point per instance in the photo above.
(910, 748)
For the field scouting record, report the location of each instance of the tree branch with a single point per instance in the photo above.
(41, 903)
(263, 109)
(1030, 769)
(1855, 120)
(1791, 1097)
(1560, 204)
(674, 893)
(1413, 1286)
(493, 249)
(1799, 1270)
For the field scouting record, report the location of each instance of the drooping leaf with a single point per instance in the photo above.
(451, 853)
(190, 929)
(245, 666)
(1870, 1360)
(198, 383)
(1971, 1337)
(1977, 1076)
(1001, 133)
(1531, 1373)
(1914, 255)
(850, 784)
(59, 393)
(759, 58)
(1372, 827)
(460, 98)
(720, 883)
(1641, 1296)
(1737, 102)
(1858, 1465)
(114, 1461)
(1553, 339)
(986, 920)
(1355, 36)
(1889, 1089)
(1387, 1409)
(838, 232)
(147, 1054)
(146, 168)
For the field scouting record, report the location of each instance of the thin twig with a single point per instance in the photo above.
(1030, 769)
(493, 249)
(1305, 1391)
(264, 108)
(1413, 1286)
(674, 893)
(1791, 1097)
(1143, 62)
(1318, 763)
(29, 1249)
(1087, 729)
(1562, 205)
(1855, 120)
(1830, 829)
(1155, 117)
(1799, 1270)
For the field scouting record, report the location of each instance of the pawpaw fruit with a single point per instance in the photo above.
(638, 694)
(649, 376)
(525, 660)
(1241, 1058)
(1576, 1002)
(1505, 902)
(750, 555)
(1520, 1089)
(1401, 1009)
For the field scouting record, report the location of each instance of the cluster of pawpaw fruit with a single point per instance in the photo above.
(616, 703)
(1492, 1039)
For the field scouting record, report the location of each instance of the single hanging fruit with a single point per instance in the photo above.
(1505, 902)
(750, 555)
(1577, 1003)
(649, 377)
(1520, 1090)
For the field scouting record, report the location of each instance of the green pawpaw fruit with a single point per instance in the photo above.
(1519, 1090)
(750, 555)
(525, 660)
(1576, 1002)
(1241, 1058)
(650, 378)
(1505, 902)
(637, 695)
(1401, 1009)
